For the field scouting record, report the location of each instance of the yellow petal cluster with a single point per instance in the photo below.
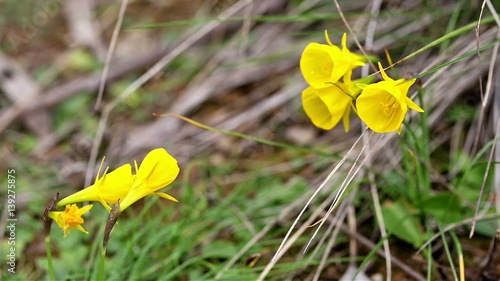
(383, 105)
(328, 70)
(70, 218)
(331, 94)
(157, 170)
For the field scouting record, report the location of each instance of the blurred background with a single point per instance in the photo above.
(234, 65)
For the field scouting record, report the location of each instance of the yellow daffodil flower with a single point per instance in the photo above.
(70, 218)
(323, 64)
(325, 107)
(106, 190)
(383, 105)
(157, 170)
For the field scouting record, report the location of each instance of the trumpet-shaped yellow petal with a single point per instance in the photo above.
(383, 105)
(322, 64)
(106, 190)
(157, 170)
(325, 107)
(70, 218)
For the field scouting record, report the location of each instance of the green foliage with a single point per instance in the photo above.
(443, 207)
(416, 202)
(170, 241)
(401, 222)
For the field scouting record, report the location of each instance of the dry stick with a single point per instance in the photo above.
(494, 13)
(245, 29)
(301, 254)
(343, 187)
(196, 34)
(334, 222)
(339, 194)
(338, 218)
(370, 33)
(370, 30)
(109, 54)
(368, 42)
(397, 262)
(496, 116)
(444, 101)
(294, 237)
(354, 35)
(478, 24)
(104, 74)
(434, 43)
(484, 100)
(484, 104)
(440, 59)
(331, 232)
(485, 177)
(379, 216)
(334, 198)
(323, 184)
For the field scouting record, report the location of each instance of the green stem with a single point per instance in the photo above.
(429, 262)
(448, 254)
(101, 265)
(49, 258)
(462, 57)
(461, 265)
(445, 38)
(248, 137)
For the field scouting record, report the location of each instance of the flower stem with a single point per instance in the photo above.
(101, 265)
(248, 137)
(49, 258)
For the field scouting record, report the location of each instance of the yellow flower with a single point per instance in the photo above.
(325, 107)
(323, 64)
(383, 105)
(107, 190)
(157, 170)
(70, 218)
